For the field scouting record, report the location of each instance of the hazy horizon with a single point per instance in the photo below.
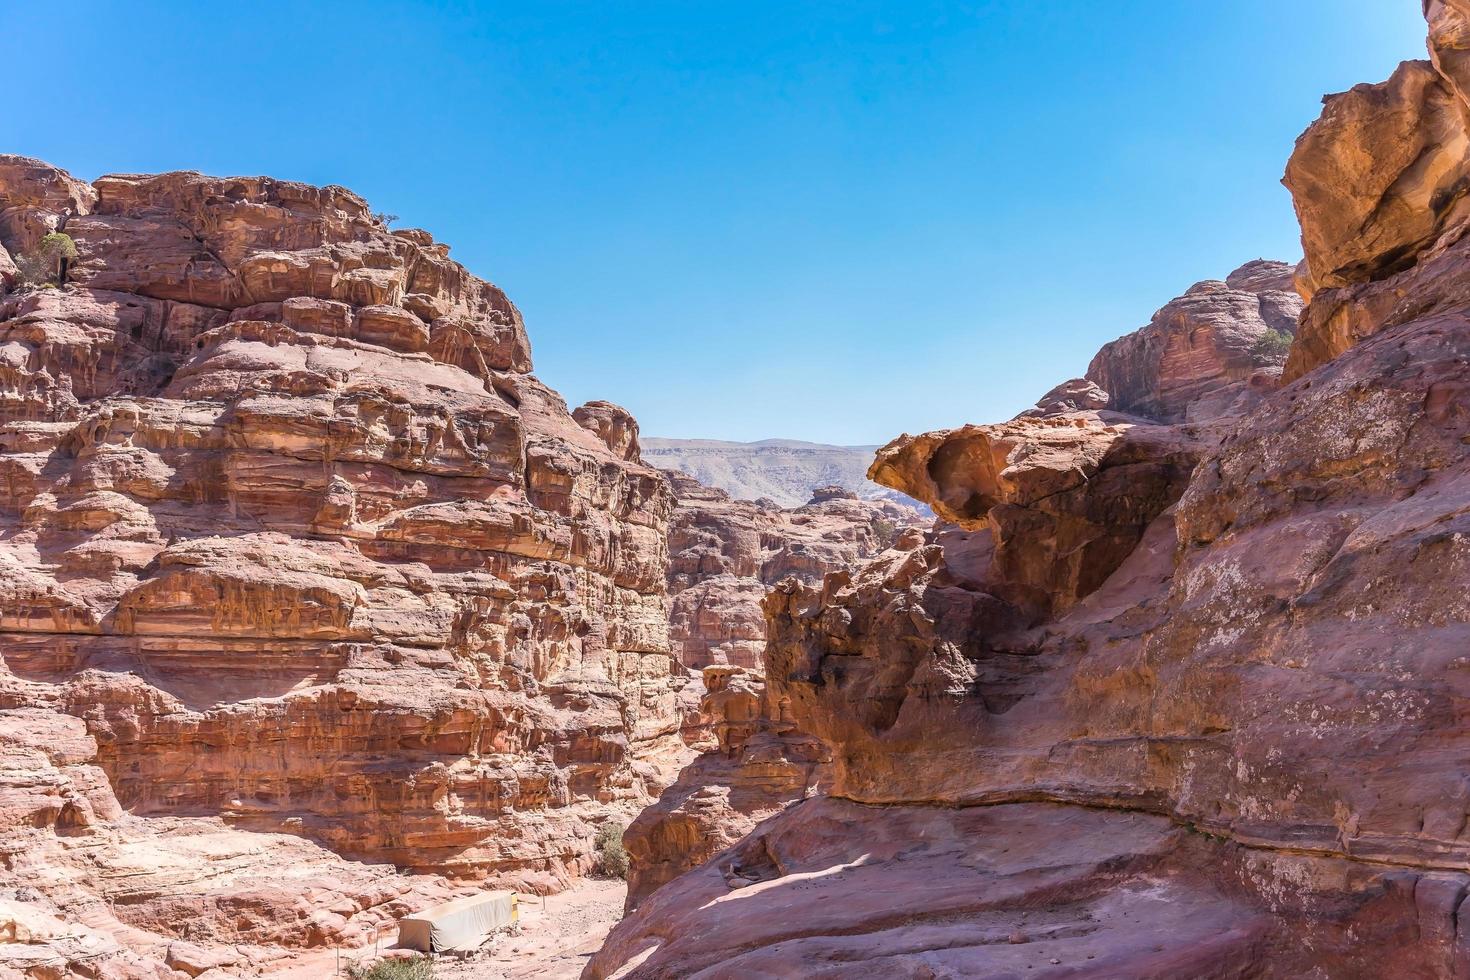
(833, 223)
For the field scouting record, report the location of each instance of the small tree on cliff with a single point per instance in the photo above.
(886, 532)
(48, 263)
(1272, 347)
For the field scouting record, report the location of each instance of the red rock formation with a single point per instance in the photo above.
(614, 425)
(1064, 499)
(1230, 748)
(1200, 357)
(726, 557)
(726, 554)
(1380, 187)
(291, 541)
(760, 765)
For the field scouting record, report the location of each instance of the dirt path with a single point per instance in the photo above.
(554, 944)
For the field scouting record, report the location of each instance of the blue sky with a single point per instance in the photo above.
(834, 221)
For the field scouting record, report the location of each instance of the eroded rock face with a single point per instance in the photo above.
(833, 888)
(614, 425)
(1201, 355)
(1064, 498)
(1257, 667)
(1379, 184)
(760, 765)
(726, 554)
(1247, 706)
(294, 542)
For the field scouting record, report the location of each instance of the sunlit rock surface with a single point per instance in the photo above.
(304, 569)
(1205, 723)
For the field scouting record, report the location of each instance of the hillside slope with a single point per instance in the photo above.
(783, 470)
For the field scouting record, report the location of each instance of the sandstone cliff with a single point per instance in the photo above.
(726, 554)
(293, 543)
(1177, 692)
(1206, 354)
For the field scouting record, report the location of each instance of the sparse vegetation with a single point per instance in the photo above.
(610, 852)
(417, 968)
(384, 218)
(886, 532)
(1272, 346)
(47, 263)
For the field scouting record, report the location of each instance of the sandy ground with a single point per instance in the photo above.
(555, 943)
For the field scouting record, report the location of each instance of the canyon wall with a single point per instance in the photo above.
(726, 554)
(726, 557)
(1175, 689)
(300, 567)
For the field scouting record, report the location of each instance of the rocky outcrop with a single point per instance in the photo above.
(1063, 499)
(92, 891)
(614, 425)
(1380, 185)
(1202, 356)
(760, 765)
(726, 554)
(293, 542)
(1213, 713)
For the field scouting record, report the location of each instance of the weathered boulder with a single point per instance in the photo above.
(1065, 498)
(1077, 395)
(614, 425)
(1379, 183)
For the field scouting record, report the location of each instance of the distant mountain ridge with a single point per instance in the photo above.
(785, 470)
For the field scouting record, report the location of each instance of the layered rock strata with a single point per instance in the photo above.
(1206, 354)
(726, 557)
(291, 541)
(1229, 743)
(726, 554)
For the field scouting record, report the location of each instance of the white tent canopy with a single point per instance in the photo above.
(464, 923)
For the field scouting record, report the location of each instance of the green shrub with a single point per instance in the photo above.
(1272, 347)
(47, 263)
(418, 968)
(886, 532)
(610, 852)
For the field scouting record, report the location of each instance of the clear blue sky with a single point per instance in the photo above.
(829, 220)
